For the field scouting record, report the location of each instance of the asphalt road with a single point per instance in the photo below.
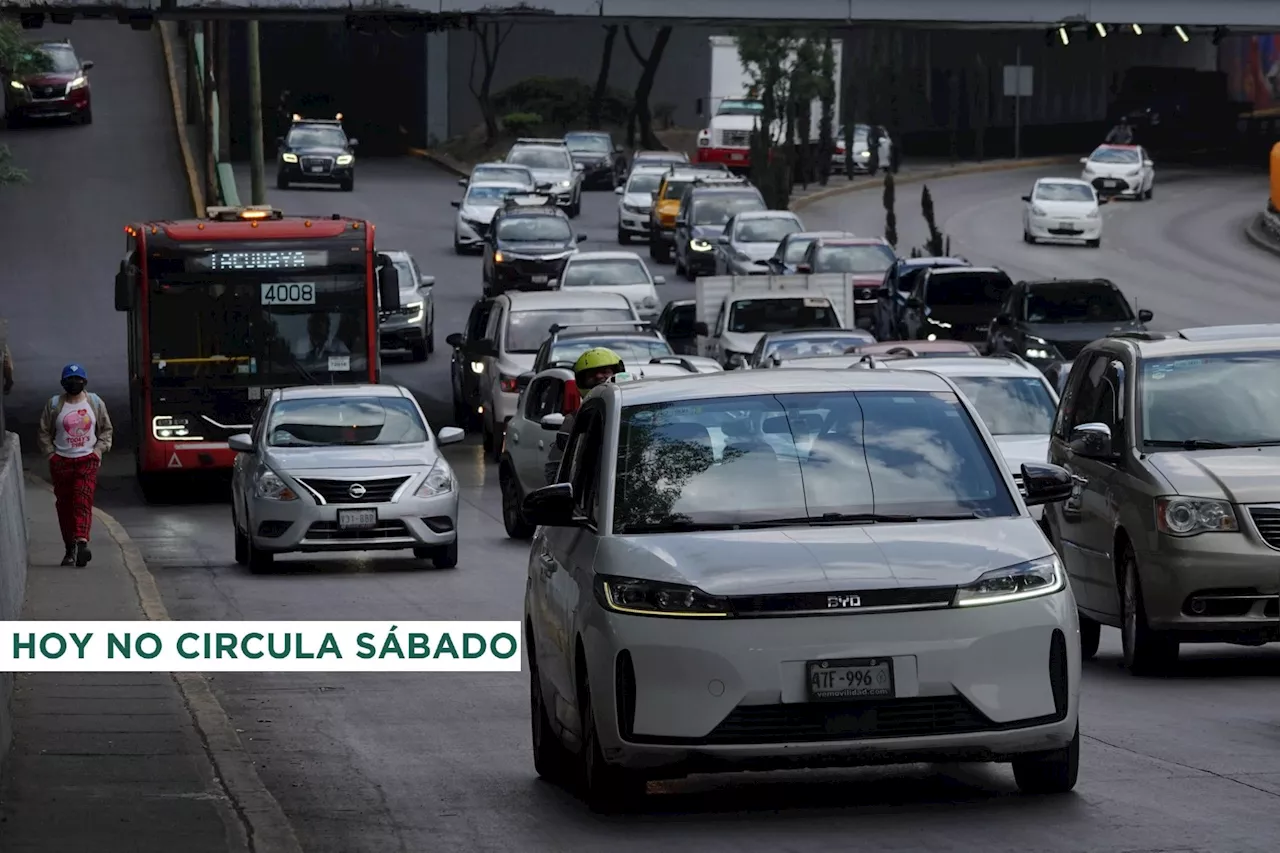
(375, 763)
(63, 235)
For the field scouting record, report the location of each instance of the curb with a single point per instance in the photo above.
(180, 120)
(259, 814)
(933, 174)
(1257, 234)
(436, 160)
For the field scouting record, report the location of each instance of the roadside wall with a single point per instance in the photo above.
(13, 563)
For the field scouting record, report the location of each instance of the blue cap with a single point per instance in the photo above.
(74, 370)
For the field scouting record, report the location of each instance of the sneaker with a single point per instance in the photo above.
(69, 559)
(83, 554)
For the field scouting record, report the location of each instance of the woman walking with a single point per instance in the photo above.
(75, 430)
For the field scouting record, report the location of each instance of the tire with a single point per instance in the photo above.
(1146, 652)
(624, 238)
(87, 116)
(241, 541)
(680, 268)
(689, 274)
(661, 251)
(574, 209)
(260, 562)
(486, 439)
(551, 759)
(1027, 238)
(445, 556)
(348, 185)
(512, 519)
(1150, 191)
(282, 183)
(431, 336)
(1090, 637)
(606, 788)
(1094, 244)
(418, 351)
(1051, 772)
(457, 248)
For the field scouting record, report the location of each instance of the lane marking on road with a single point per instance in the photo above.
(259, 820)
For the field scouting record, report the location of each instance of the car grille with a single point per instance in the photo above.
(1070, 349)
(325, 163)
(868, 600)
(48, 91)
(329, 530)
(735, 138)
(1267, 520)
(377, 490)
(523, 268)
(825, 721)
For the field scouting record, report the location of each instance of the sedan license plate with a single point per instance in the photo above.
(316, 169)
(1067, 226)
(539, 279)
(1112, 183)
(357, 519)
(834, 680)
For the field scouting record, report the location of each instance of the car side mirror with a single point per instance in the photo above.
(1026, 198)
(428, 281)
(523, 380)
(550, 506)
(462, 182)
(700, 328)
(619, 190)
(1084, 160)
(241, 443)
(1102, 199)
(88, 63)
(552, 422)
(455, 340)
(1045, 483)
(1092, 441)
(353, 143)
(1145, 316)
(484, 347)
(450, 435)
(736, 362)
(456, 203)
(582, 238)
(723, 239)
(1003, 320)
(659, 279)
(388, 284)
(578, 167)
(1147, 163)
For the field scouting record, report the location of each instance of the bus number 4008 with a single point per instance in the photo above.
(289, 294)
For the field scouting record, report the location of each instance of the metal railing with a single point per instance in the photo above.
(4, 342)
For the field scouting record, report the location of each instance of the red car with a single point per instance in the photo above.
(60, 91)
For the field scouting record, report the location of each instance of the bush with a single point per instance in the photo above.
(522, 124)
(563, 102)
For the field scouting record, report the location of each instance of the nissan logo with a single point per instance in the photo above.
(843, 601)
(356, 491)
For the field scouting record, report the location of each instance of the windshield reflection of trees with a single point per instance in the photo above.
(345, 421)
(765, 459)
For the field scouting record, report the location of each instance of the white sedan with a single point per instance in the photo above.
(615, 272)
(1062, 210)
(1122, 170)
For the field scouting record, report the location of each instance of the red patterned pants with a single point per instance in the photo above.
(74, 482)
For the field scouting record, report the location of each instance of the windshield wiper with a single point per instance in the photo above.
(1274, 442)
(855, 518)
(678, 527)
(1195, 444)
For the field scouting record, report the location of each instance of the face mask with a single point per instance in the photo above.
(73, 386)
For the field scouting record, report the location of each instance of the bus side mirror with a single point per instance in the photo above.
(124, 291)
(388, 284)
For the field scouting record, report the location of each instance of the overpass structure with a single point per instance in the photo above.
(1234, 14)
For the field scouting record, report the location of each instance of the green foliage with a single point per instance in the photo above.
(522, 124)
(15, 55)
(826, 130)
(936, 245)
(890, 218)
(562, 102)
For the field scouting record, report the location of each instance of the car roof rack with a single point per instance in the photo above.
(718, 180)
(557, 328)
(675, 360)
(298, 118)
(1011, 356)
(539, 140)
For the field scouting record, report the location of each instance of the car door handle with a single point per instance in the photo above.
(1081, 480)
(547, 563)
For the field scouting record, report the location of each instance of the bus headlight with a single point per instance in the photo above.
(169, 428)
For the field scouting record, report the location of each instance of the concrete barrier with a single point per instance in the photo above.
(13, 563)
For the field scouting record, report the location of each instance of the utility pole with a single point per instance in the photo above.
(257, 178)
(1017, 104)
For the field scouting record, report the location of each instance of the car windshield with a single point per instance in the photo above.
(1063, 192)
(518, 174)
(967, 289)
(526, 330)
(815, 347)
(534, 229)
(795, 459)
(1115, 155)
(541, 158)
(1078, 302)
(660, 157)
(490, 194)
(796, 249)
(52, 58)
(765, 230)
(317, 136)
(719, 207)
(738, 107)
(588, 142)
(632, 349)
(675, 189)
(645, 183)
(853, 259)
(1010, 405)
(776, 315)
(1228, 398)
(610, 273)
(342, 421)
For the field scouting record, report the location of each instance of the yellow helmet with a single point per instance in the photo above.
(596, 358)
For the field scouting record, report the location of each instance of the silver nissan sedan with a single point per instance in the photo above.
(343, 468)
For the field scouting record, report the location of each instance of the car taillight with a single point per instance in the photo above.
(508, 383)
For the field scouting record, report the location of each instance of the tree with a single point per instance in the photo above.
(765, 54)
(602, 79)
(16, 58)
(826, 130)
(488, 45)
(936, 245)
(644, 86)
(890, 218)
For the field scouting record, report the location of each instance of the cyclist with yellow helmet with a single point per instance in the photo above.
(594, 367)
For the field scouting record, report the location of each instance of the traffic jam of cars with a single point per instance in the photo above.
(1076, 469)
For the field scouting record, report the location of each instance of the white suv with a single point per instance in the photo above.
(635, 202)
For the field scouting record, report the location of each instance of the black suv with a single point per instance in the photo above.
(1052, 321)
(899, 281)
(464, 377)
(316, 151)
(527, 244)
(604, 165)
(954, 303)
(706, 207)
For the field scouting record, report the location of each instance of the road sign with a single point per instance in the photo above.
(1017, 81)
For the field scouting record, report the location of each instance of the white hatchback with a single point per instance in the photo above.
(1062, 210)
(831, 569)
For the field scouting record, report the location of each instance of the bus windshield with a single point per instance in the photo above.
(299, 328)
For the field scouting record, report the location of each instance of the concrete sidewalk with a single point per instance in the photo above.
(106, 762)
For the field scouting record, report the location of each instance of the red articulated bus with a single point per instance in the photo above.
(222, 310)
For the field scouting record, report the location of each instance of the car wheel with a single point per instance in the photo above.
(512, 518)
(551, 759)
(605, 787)
(486, 439)
(690, 274)
(624, 239)
(1146, 652)
(348, 185)
(1094, 244)
(680, 270)
(431, 336)
(87, 116)
(1090, 637)
(445, 556)
(575, 208)
(282, 183)
(418, 351)
(662, 252)
(1150, 190)
(1027, 238)
(241, 540)
(458, 248)
(1052, 772)
(260, 562)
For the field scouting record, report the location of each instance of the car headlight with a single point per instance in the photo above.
(289, 158)
(635, 208)
(439, 481)
(565, 184)
(1093, 214)
(344, 159)
(865, 154)
(1031, 579)
(1179, 516)
(267, 484)
(1039, 348)
(477, 367)
(1135, 173)
(169, 428)
(1037, 210)
(651, 598)
(16, 85)
(78, 83)
(649, 302)
(414, 310)
(699, 245)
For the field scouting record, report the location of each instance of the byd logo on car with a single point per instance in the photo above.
(843, 601)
